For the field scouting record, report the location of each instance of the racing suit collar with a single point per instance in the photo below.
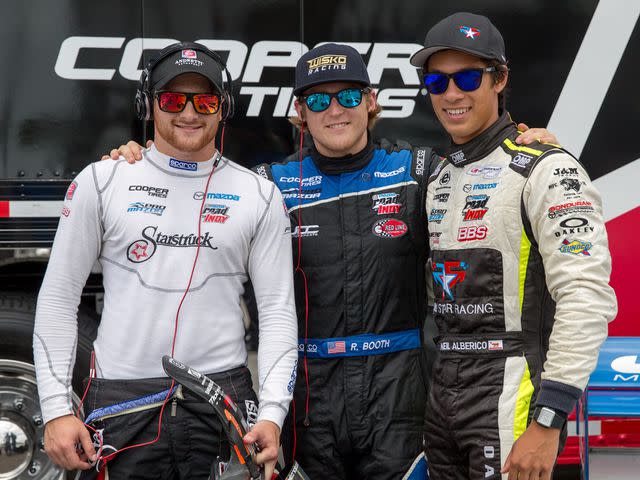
(483, 144)
(346, 164)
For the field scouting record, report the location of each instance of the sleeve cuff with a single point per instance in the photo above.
(558, 396)
(273, 413)
(56, 407)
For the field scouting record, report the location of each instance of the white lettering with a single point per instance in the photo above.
(133, 52)
(631, 378)
(260, 57)
(397, 102)
(68, 55)
(257, 97)
(393, 56)
(237, 54)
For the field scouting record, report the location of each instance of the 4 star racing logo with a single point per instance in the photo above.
(448, 275)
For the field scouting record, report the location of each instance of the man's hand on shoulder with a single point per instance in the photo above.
(132, 152)
(530, 135)
(62, 436)
(266, 435)
(533, 454)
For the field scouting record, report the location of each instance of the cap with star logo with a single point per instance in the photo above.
(465, 32)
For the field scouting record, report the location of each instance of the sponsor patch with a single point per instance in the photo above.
(570, 184)
(327, 62)
(457, 157)
(577, 207)
(448, 275)
(576, 247)
(66, 211)
(305, 194)
(475, 207)
(469, 32)
(304, 231)
(563, 172)
(386, 203)
(472, 232)
(437, 215)
(486, 171)
(462, 309)
(151, 191)
(181, 165)
(444, 179)
(143, 249)
(573, 226)
(189, 54)
(215, 213)
(306, 182)
(441, 197)
(392, 173)
(142, 207)
(521, 160)
(389, 228)
(71, 190)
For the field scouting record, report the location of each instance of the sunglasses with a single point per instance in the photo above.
(175, 102)
(348, 98)
(466, 80)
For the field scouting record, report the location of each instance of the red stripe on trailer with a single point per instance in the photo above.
(4, 209)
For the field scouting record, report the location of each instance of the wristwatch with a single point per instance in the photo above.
(548, 417)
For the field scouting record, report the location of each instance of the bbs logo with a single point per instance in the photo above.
(473, 232)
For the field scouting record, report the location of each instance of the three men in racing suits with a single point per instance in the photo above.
(520, 268)
(358, 228)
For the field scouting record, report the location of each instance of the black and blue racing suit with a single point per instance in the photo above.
(361, 226)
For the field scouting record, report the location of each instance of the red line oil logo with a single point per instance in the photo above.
(389, 228)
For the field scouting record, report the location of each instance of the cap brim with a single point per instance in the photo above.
(162, 81)
(421, 56)
(298, 91)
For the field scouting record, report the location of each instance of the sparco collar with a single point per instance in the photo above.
(483, 144)
(346, 164)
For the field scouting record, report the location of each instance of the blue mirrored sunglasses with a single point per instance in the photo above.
(348, 98)
(466, 80)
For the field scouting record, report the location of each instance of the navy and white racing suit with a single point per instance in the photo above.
(359, 227)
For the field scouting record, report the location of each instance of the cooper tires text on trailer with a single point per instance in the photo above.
(22, 454)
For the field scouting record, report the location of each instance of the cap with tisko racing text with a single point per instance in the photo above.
(331, 62)
(191, 59)
(465, 32)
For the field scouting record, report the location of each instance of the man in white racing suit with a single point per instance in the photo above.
(185, 220)
(520, 267)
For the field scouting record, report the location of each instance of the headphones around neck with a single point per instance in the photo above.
(144, 97)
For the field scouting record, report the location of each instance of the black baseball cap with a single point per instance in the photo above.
(192, 58)
(331, 62)
(465, 32)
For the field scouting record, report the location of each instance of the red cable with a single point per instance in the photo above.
(306, 296)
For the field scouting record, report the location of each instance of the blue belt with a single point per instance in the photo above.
(130, 405)
(361, 345)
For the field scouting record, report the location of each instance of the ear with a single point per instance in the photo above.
(299, 109)
(500, 86)
(372, 100)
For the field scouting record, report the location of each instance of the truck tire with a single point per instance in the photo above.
(21, 427)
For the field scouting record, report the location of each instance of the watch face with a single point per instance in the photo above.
(545, 417)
